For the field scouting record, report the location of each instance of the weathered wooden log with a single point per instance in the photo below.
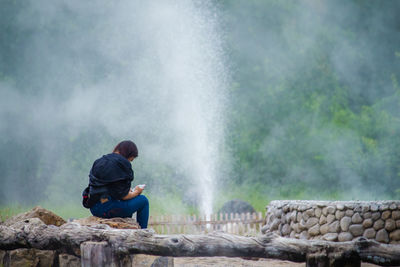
(33, 233)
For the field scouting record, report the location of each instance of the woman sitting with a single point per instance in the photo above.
(110, 186)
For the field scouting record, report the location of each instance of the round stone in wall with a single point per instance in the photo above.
(395, 235)
(396, 214)
(386, 214)
(356, 218)
(331, 209)
(369, 233)
(379, 224)
(313, 231)
(324, 228)
(311, 222)
(330, 237)
(375, 216)
(390, 225)
(285, 229)
(334, 227)
(349, 213)
(382, 236)
(304, 235)
(356, 229)
(345, 223)
(318, 212)
(367, 223)
(330, 218)
(345, 236)
(339, 214)
(322, 220)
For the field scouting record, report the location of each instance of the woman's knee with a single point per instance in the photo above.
(143, 199)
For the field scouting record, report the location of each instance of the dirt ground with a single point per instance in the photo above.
(236, 262)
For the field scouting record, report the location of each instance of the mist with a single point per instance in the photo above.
(257, 100)
(89, 75)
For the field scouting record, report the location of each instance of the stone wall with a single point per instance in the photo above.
(335, 221)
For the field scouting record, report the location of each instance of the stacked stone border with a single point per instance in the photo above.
(335, 220)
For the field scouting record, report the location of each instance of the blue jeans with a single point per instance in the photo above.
(124, 209)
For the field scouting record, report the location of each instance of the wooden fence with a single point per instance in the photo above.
(241, 224)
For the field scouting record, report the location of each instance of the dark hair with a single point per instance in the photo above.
(127, 149)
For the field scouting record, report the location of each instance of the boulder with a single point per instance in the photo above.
(44, 215)
(240, 206)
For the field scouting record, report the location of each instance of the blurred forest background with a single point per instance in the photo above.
(312, 110)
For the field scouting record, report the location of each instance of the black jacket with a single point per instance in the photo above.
(111, 174)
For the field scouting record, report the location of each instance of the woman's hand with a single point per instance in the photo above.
(138, 190)
(133, 193)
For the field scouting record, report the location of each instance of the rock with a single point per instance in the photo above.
(395, 235)
(285, 230)
(345, 223)
(293, 216)
(349, 213)
(278, 213)
(384, 207)
(31, 257)
(302, 225)
(334, 227)
(330, 218)
(44, 215)
(374, 207)
(119, 223)
(310, 213)
(313, 231)
(393, 206)
(311, 222)
(375, 216)
(325, 211)
(345, 236)
(386, 214)
(339, 214)
(382, 236)
(390, 225)
(305, 216)
(330, 237)
(292, 234)
(318, 212)
(340, 206)
(284, 208)
(395, 214)
(398, 224)
(367, 215)
(331, 209)
(304, 235)
(299, 216)
(379, 224)
(237, 206)
(367, 223)
(322, 220)
(364, 208)
(369, 233)
(66, 260)
(296, 228)
(356, 229)
(324, 228)
(356, 218)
